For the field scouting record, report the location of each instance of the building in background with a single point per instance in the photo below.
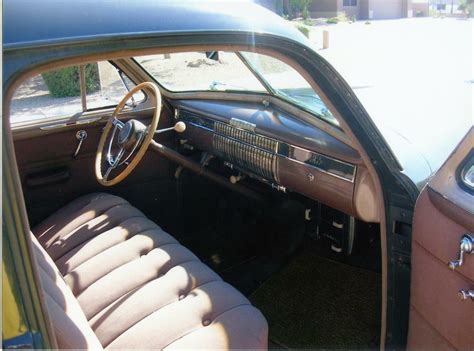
(446, 7)
(369, 9)
(360, 9)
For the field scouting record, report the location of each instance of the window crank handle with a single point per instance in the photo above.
(466, 246)
(466, 294)
(81, 135)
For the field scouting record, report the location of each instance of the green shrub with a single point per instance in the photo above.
(65, 82)
(342, 17)
(419, 14)
(332, 20)
(303, 29)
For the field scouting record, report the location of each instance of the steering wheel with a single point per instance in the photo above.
(132, 137)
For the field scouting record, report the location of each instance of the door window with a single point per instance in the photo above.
(57, 93)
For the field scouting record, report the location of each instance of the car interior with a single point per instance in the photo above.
(190, 199)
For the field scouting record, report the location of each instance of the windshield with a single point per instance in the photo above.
(234, 72)
(199, 71)
(286, 82)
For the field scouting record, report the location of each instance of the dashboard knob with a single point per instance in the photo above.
(180, 127)
(235, 179)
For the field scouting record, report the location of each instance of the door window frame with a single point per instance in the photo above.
(84, 111)
(463, 168)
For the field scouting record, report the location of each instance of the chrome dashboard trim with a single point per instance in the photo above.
(245, 150)
(322, 170)
(276, 146)
(200, 126)
(241, 124)
(354, 167)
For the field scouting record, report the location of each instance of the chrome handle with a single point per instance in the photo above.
(466, 246)
(466, 294)
(81, 135)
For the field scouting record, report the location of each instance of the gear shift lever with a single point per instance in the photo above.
(178, 127)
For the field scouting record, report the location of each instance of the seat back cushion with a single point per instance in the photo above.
(70, 325)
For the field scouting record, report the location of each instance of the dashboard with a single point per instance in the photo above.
(266, 143)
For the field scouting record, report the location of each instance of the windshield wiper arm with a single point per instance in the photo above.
(215, 84)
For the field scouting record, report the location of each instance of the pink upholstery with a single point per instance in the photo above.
(132, 285)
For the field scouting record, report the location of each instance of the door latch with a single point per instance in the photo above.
(466, 246)
(81, 135)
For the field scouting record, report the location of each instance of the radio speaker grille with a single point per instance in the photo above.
(248, 151)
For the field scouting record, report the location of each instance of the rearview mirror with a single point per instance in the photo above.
(212, 55)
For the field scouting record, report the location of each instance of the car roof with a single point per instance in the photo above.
(30, 23)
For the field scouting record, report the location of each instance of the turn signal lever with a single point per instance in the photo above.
(178, 127)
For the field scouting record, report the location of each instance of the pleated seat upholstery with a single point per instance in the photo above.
(114, 279)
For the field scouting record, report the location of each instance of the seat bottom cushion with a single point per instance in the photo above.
(138, 287)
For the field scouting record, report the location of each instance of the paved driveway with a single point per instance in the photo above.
(417, 48)
(411, 75)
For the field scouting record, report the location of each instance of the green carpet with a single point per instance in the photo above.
(316, 303)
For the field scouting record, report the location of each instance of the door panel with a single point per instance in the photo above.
(427, 338)
(439, 235)
(48, 155)
(439, 319)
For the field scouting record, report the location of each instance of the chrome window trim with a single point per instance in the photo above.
(464, 172)
(466, 167)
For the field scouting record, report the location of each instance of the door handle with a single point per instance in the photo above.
(466, 246)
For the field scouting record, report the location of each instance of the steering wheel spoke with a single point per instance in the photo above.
(118, 124)
(113, 162)
(107, 172)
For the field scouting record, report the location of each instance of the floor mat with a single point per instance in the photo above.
(316, 303)
(251, 274)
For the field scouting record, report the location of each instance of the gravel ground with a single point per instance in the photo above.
(419, 49)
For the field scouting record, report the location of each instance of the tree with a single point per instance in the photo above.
(467, 6)
(296, 7)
